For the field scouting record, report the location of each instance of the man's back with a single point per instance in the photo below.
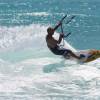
(51, 42)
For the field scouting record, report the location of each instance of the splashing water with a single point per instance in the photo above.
(28, 70)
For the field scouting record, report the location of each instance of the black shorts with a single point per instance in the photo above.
(59, 51)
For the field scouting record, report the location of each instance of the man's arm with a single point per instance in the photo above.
(60, 38)
(56, 27)
(60, 22)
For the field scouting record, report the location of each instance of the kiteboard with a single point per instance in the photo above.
(85, 55)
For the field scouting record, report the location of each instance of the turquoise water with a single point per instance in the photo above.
(28, 70)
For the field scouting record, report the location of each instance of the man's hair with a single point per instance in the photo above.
(49, 29)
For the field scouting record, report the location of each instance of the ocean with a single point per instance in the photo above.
(28, 70)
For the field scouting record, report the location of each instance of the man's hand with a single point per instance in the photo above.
(60, 23)
(60, 38)
(56, 27)
(62, 35)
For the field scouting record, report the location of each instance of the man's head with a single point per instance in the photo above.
(50, 31)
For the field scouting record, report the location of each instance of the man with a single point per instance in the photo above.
(53, 44)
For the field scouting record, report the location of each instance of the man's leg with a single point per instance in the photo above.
(72, 54)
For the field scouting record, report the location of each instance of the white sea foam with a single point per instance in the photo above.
(55, 78)
(31, 78)
(21, 36)
(35, 14)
